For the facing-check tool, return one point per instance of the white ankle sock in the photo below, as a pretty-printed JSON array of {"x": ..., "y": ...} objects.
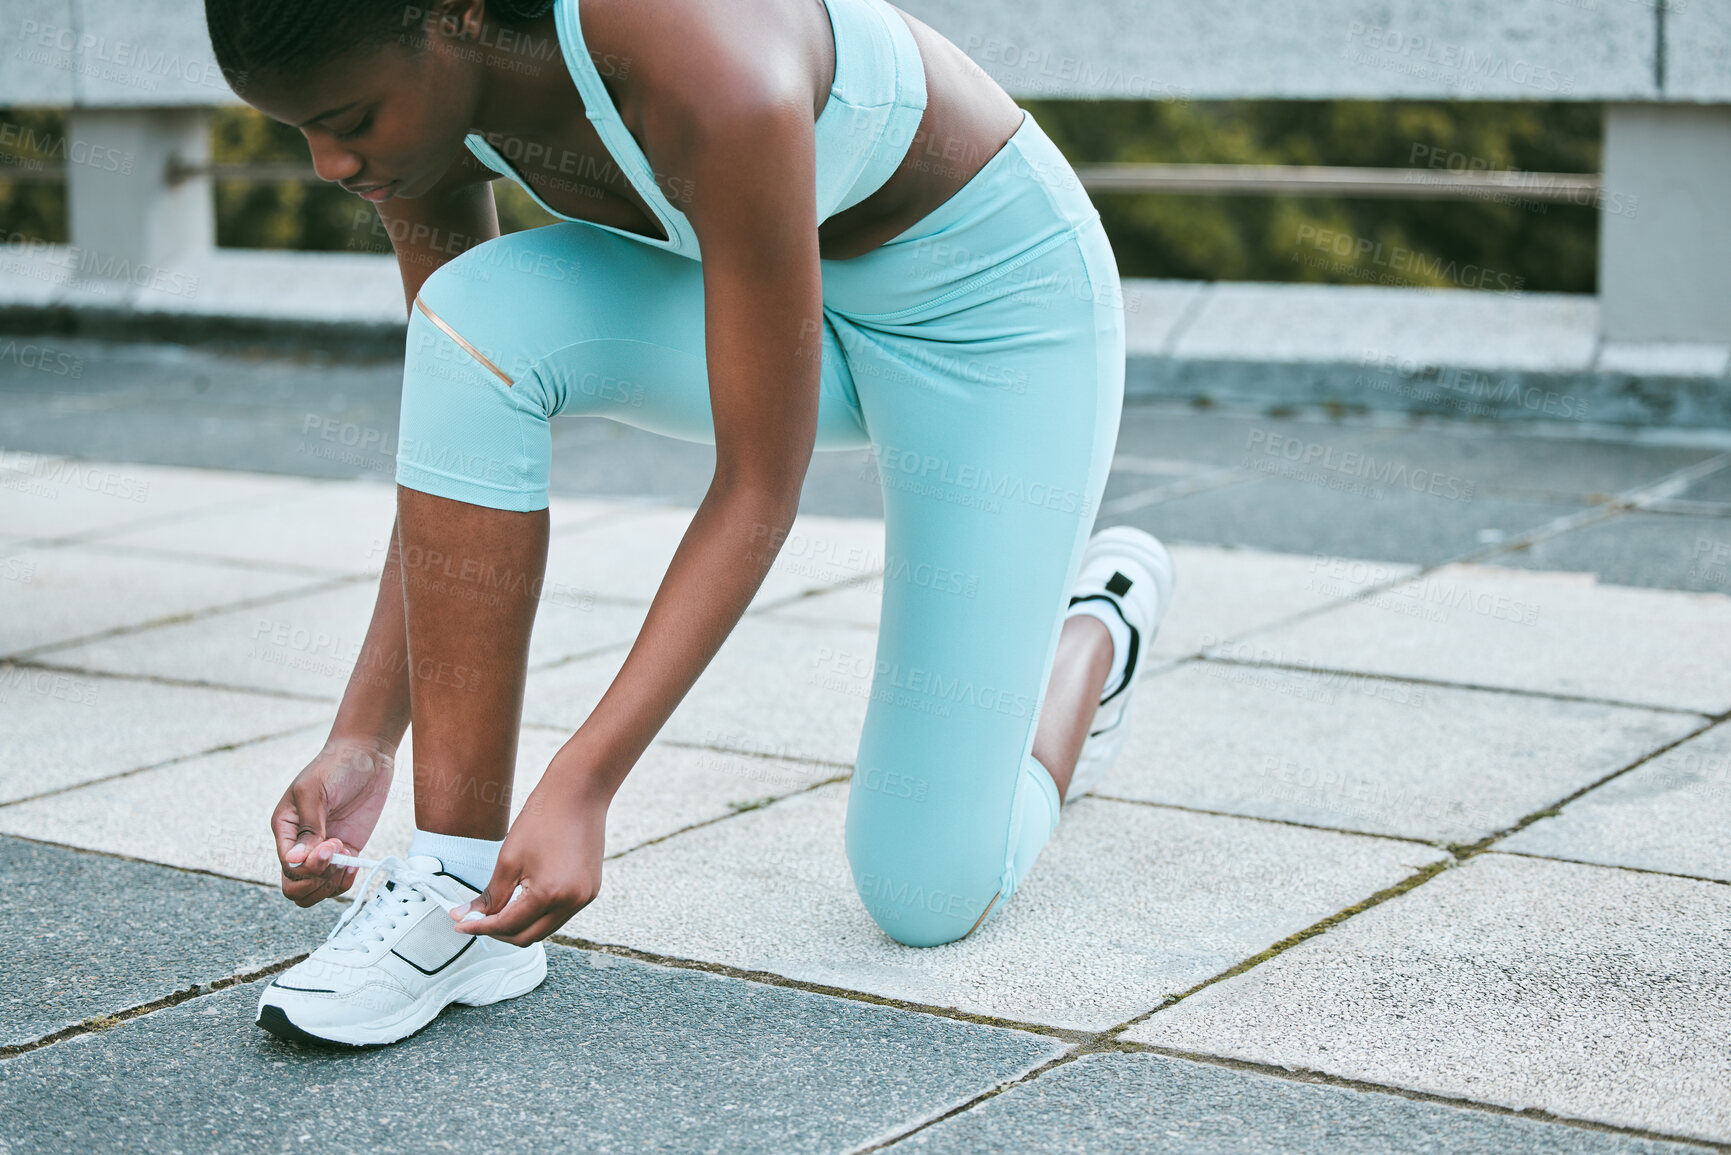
[
  {"x": 1120, "y": 631},
  {"x": 470, "y": 859}
]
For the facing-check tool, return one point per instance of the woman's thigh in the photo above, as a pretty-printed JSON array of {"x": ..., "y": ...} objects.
[
  {"x": 993, "y": 413},
  {"x": 564, "y": 319}
]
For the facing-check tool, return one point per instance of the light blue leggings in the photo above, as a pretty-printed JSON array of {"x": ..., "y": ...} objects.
[{"x": 980, "y": 355}]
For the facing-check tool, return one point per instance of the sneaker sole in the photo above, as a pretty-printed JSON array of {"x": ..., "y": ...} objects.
[{"x": 478, "y": 989}]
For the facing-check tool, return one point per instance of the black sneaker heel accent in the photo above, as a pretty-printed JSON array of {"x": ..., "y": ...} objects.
[{"x": 1135, "y": 634}]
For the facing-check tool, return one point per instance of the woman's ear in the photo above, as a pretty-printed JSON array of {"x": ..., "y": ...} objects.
[{"x": 455, "y": 20}]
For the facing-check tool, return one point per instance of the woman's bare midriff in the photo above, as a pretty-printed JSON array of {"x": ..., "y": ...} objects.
[{"x": 966, "y": 121}]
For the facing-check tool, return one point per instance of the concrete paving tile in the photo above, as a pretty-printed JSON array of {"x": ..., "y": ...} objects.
[
  {"x": 334, "y": 527},
  {"x": 62, "y": 729},
  {"x": 1362, "y": 324},
  {"x": 1592, "y": 993},
  {"x": 1556, "y": 633},
  {"x": 1668, "y": 814},
  {"x": 1222, "y": 592},
  {"x": 57, "y": 595},
  {"x": 1155, "y": 310},
  {"x": 1127, "y": 904},
  {"x": 787, "y": 689},
  {"x": 627, "y": 556},
  {"x": 1659, "y": 551},
  {"x": 608, "y": 1055},
  {"x": 47, "y": 496},
  {"x": 1150, "y": 1103},
  {"x": 308, "y": 644},
  {"x": 1181, "y": 433},
  {"x": 1370, "y": 754},
  {"x": 1713, "y": 487},
  {"x": 1341, "y": 515},
  {"x": 1503, "y": 461},
  {"x": 84, "y": 934},
  {"x": 213, "y": 813}
]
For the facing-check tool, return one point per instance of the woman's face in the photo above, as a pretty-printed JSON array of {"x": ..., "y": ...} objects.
[{"x": 383, "y": 122}]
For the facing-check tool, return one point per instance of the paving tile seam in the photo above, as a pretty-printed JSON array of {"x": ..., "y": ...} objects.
[
  {"x": 1407, "y": 839},
  {"x": 1689, "y": 508},
  {"x": 1468, "y": 850},
  {"x": 764, "y": 803},
  {"x": 1610, "y": 866},
  {"x": 722, "y": 748},
  {"x": 98, "y": 1023},
  {"x": 1459, "y": 855},
  {"x": 1325, "y": 1079},
  {"x": 1624, "y": 502},
  {"x": 1633, "y": 499},
  {"x": 1171, "y": 491},
  {"x": 771, "y": 979},
  {"x": 1418, "y": 878},
  {"x": 989, "y": 1093},
  {"x": 1413, "y": 680},
  {"x": 163, "y": 765},
  {"x": 164, "y": 680},
  {"x": 327, "y": 585},
  {"x": 132, "y": 858},
  {"x": 249, "y": 565},
  {"x": 88, "y": 536}
]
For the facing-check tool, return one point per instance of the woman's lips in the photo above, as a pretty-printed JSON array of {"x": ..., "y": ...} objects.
[{"x": 383, "y": 192}]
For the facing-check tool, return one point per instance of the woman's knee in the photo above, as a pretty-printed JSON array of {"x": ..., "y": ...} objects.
[
  {"x": 473, "y": 426},
  {"x": 923, "y": 891}
]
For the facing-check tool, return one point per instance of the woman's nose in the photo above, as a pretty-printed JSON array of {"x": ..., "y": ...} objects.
[{"x": 332, "y": 162}]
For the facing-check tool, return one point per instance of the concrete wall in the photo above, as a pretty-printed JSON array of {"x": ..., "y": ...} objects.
[{"x": 138, "y": 53}]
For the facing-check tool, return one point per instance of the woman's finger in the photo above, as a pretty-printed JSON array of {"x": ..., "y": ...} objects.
[{"x": 500, "y": 918}]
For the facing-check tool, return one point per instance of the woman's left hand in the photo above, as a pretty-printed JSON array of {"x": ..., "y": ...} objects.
[{"x": 553, "y": 851}]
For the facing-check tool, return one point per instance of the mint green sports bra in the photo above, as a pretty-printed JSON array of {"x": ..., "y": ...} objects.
[{"x": 862, "y": 134}]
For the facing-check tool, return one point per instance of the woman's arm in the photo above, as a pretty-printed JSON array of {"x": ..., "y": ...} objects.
[
  {"x": 454, "y": 215},
  {"x": 334, "y": 803},
  {"x": 736, "y": 129}
]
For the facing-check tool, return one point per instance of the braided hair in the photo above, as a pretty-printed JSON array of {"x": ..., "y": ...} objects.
[{"x": 253, "y": 38}]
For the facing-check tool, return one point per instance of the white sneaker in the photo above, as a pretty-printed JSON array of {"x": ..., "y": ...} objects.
[
  {"x": 394, "y": 961},
  {"x": 1131, "y": 571}
]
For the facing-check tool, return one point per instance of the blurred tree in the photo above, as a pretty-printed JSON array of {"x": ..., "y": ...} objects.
[
  {"x": 1533, "y": 245},
  {"x": 31, "y": 210}
]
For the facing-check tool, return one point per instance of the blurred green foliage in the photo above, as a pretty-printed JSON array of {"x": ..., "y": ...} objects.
[
  {"x": 30, "y": 210},
  {"x": 1540, "y": 246},
  {"x": 1548, "y": 247}
]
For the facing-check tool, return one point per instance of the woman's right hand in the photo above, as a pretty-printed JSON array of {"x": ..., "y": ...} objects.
[{"x": 331, "y": 807}]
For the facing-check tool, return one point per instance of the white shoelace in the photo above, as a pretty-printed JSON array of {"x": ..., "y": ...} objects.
[{"x": 364, "y": 916}]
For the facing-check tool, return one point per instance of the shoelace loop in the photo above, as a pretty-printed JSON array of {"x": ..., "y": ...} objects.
[{"x": 407, "y": 880}]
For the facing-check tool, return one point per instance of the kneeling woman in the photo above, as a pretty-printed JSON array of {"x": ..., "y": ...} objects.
[{"x": 789, "y": 225}]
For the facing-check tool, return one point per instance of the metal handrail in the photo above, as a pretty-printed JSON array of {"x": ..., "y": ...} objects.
[{"x": 1179, "y": 179}]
